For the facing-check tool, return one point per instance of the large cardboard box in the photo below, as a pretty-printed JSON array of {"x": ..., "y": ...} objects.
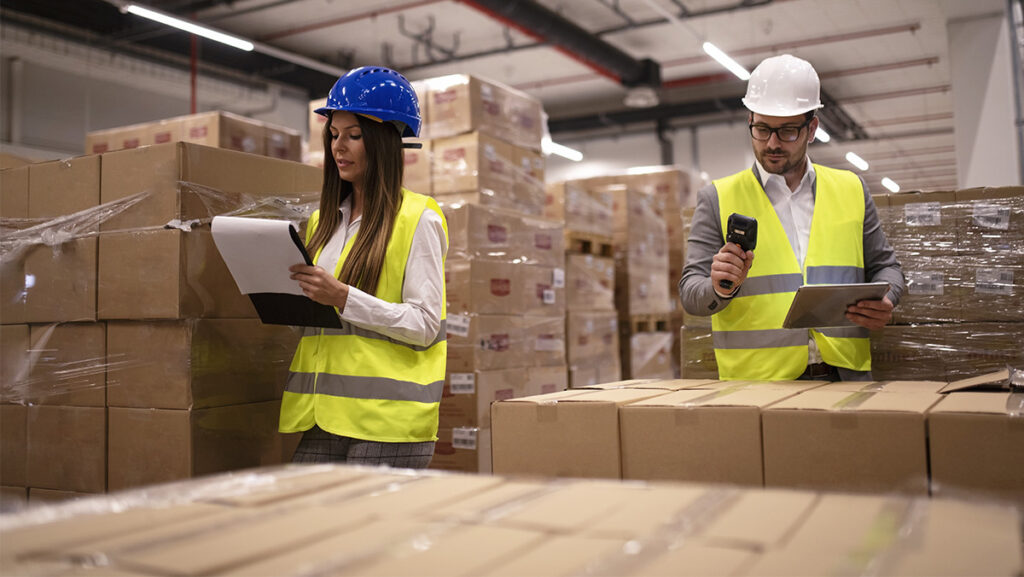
[
  {"x": 991, "y": 251},
  {"x": 467, "y": 397},
  {"x": 482, "y": 231},
  {"x": 571, "y": 433},
  {"x": 166, "y": 274},
  {"x": 149, "y": 446},
  {"x": 647, "y": 355},
  {"x": 486, "y": 342},
  {"x": 60, "y": 275},
  {"x": 466, "y": 449},
  {"x": 13, "y": 445},
  {"x": 417, "y": 168},
  {"x": 459, "y": 103},
  {"x": 280, "y": 142},
  {"x": 68, "y": 365},
  {"x": 196, "y": 363},
  {"x": 547, "y": 379},
  {"x": 496, "y": 287},
  {"x": 14, "y": 208},
  {"x": 542, "y": 242},
  {"x": 595, "y": 371},
  {"x": 697, "y": 353},
  {"x": 225, "y": 130},
  {"x": 697, "y": 435},
  {"x": 15, "y": 363},
  {"x": 976, "y": 446},
  {"x": 591, "y": 281},
  {"x": 545, "y": 340},
  {"x": 841, "y": 441},
  {"x": 67, "y": 448}
]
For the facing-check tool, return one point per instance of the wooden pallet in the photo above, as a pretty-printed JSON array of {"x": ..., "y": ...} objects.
[
  {"x": 661, "y": 322},
  {"x": 588, "y": 243}
]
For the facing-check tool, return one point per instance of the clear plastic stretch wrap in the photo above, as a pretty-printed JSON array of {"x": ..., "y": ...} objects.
[{"x": 129, "y": 355}]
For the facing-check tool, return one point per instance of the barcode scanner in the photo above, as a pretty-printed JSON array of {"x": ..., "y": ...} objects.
[{"x": 741, "y": 230}]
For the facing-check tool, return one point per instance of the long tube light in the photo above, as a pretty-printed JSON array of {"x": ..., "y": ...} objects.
[
  {"x": 892, "y": 186},
  {"x": 821, "y": 135},
  {"x": 550, "y": 147},
  {"x": 857, "y": 161},
  {"x": 189, "y": 27},
  {"x": 724, "y": 59}
]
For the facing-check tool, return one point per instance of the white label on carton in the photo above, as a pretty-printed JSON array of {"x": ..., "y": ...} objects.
[
  {"x": 549, "y": 296},
  {"x": 925, "y": 283},
  {"x": 490, "y": 153},
  {"x": 995, "y": 216},
  {"x": 549, "y": 344},
  {"x": 463, "y": 383},
  {"x": 464, "y": 438},
  {"x": 458, "y": 325},
  {"x": 923, "y": 214},
  {"x": 558, "y": 278},
  {"x": 994, "y": 282}
]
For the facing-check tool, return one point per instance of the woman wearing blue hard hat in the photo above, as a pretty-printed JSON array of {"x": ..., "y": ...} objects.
[{"x": 369, "y": 393}]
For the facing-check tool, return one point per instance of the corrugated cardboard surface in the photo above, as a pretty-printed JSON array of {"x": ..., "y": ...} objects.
[
  {"x": 976, "y": 445},
  {"x": 844, "y": 441},
  {"x": 467, "y": 401},
  {"x": 196, "y": 363},
  {"x": 697, "y": 435},
  {"x": 148, "y": 446},
  {"x": 69, "y": 365},
  {"x": 493, "y": 342},
  {"x": 67, "y": 448},
  {"x": 466, "y": 449},
  {"x": 13, "y": 205},
  {"x": 13, "y": 445},
  {"x": 15, "y": 362},
  {"x": 570, "y": 434}
]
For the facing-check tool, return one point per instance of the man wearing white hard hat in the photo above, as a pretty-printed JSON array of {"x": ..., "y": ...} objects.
[{"x": 816, "y": 225}]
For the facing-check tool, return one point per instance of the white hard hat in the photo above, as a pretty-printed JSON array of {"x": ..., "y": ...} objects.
[{"x": 783, "y": 86}]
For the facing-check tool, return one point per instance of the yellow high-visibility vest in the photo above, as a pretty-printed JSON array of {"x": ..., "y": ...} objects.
[
  {"x": 748, "y": 337},
  {"x": 357, "y": 383}
]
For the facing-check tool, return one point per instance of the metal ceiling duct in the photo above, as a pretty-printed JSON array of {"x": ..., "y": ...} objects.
[{"x": 545, "y": 25}]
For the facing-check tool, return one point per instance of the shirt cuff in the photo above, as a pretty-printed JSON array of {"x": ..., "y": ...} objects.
[{"x": 358, "y": 306}]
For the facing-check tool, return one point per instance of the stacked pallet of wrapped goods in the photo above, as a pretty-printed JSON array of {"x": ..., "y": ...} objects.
[
  {"x": 696, "y": 350},
  {"x": 216, "y": 128},
  {"x": 591, "y": 321},
  {"x": 961, "y": 252},
  {"x": 130, "y": 357}
]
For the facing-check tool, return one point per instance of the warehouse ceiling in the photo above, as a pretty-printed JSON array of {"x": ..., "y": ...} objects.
[{"x": 884, "y": 64}]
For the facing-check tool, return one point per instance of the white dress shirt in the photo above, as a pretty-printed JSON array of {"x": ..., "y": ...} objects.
[
  {"x": 795, "y": 208},
  {"x": 417, "y": 319}
]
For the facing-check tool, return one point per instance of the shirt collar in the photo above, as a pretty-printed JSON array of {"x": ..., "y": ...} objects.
[{"x": 808, "y": 178}]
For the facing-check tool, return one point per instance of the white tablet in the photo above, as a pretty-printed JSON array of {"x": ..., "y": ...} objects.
[{"x": 824, "y": 305}]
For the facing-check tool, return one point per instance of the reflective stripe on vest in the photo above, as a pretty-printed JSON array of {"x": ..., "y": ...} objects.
[
  {"x": 358, "y": 383},
  {"x": 748, "y": 337}
]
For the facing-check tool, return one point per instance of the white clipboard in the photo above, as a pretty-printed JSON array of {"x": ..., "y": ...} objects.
[{"x": 824, "y": 305}]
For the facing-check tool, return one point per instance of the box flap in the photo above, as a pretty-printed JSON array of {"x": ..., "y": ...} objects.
[
  {"x": 991, "y": 402},
  {"x": 996, "y": 380},
  {"x": 887, "y": 386},
  {"x": 738, "y": 397},
  {"x": 836, "y": 401},
  {"x": 761, "y": 518},
  {"x": 788, "y": 385}
]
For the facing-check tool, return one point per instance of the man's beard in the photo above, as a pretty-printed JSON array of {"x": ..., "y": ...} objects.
[{"x": 789, "y": 164}]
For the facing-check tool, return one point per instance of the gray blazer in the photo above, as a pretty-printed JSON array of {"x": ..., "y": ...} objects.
[{"x": 700, "y": 299}]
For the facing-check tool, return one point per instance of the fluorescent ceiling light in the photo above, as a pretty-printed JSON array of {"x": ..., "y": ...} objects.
[
  {"x": 647, "y": 169},
  {"x": 892, "y": 186},
  {"x": 641, "y": 97},
  {"x": 856, "y": 160},
  {"x": 723, "y": 59},
  {"x": 821, "y": 135},
  {"x": 550, "y": 147},
  {"x": 189, "y": 27}
]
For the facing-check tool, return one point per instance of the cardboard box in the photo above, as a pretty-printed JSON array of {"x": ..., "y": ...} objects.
[
  {"x": 591, "y": 336},
  {"x": 417, "y": 168},
  {"x": 148, "y": 446},
  {"x": 648, "y": 355},
  {"x": 571, "y": 433},
  {"x": 697, "y": 353},
  {"x": 218, "y": 181},
  {"x": 542, "y": 242},
  {"x": 976, "y": 446},
  {"x": 494, "y": 287},
  {"x": 591, "y": 281},
  {"x": 316, "y": 131},
  {"x": 14, "y": 206},
  {"x": 60, "y": 280},
  {"x": 486, "y": 342},
  {"x": 465, "y": 449},
  {"x": 166, "y": 274},
  {"x": 545, "y": 340},
  {"x": 528, "y": 175},
  {"x": 281, "y": 142},
  {"x": 467, "y": 397},
  {"x": 13, "y": 445},
  {"x": 483, "y": 231},
  {"x": 835, "y": 440},
  {"x": 547, "y": 379},
  {"x": 67, "y": 448},
  {"x": 225, "y": 130},
  {"x": 473, "y": 162},
  {"x": 196, "y": 363},
  {"x": 595, "y": 371},
  {"x": 460, "y": 103},
  {"x": 69, "y": 365},
  {"x": 697, "y": 435},
  {"x": 13, "y": 499}
]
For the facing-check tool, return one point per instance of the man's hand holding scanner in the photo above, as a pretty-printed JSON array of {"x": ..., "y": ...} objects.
[
  {"x": 730, "y": 264},
  {"x": 320, "y": 286},
  {"x": 871, "y": 315}
]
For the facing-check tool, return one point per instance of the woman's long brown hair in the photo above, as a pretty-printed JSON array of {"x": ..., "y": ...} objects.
[{"x": 382, "y": 197}]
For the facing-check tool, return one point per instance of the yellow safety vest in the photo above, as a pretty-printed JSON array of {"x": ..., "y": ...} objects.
[
  {"x": 748, "y": 337},
  {"x": 361, "y": 384}
]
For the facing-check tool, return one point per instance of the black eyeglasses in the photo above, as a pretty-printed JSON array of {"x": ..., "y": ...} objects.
[{"x": 764, "y": 132}]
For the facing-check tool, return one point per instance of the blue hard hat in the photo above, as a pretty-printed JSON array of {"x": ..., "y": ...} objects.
[{"x": 378, "y": 92}]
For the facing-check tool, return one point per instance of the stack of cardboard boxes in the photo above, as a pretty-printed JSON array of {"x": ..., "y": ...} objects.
[
  {"x": 217, "y": 128},
  {"x": 360, "y": 521},
  {"x": 130, "y": 357},
  {"x": 961, "y": 252},
  {"x": 911, "y": 437}
]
